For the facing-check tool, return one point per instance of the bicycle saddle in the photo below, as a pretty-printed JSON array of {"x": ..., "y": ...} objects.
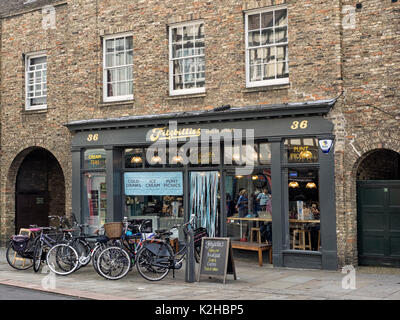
[{"x": 163, "y": 232}]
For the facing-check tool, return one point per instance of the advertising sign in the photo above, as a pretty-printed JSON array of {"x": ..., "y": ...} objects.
[{"x": 153, "y": 183}]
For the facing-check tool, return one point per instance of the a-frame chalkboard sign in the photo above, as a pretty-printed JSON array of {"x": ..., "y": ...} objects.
[{"x": 216, "y": 258}]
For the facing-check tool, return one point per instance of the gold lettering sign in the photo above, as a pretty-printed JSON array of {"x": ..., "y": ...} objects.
[
  {"x": 300, "y": 152},
  {"x": 164, "y": 133}
]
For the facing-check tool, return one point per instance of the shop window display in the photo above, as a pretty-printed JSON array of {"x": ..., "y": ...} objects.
[
  {"x": 95, "y": 199},
  {"x": 249, "y": 206},
  {"x": 304, "y": 209}
]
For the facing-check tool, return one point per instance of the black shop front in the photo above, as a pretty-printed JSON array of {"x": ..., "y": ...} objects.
[{"x": 255, "y": 174}]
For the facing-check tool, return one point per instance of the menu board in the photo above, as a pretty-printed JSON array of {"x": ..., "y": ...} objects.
[{"x": 216, "y": 258}]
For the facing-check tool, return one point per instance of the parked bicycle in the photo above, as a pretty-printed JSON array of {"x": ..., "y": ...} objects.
[
  {"x": 157, "y": 257},
  {"x": 116, "y": 261}
]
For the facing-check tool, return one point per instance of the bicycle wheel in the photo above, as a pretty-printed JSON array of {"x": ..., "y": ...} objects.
[
  {"x": 16, "y": 260},
  {"x": 62, "y": 259},
  {"x": 83, "y": 249},
  {"x": 113, "y": 263},
  {"x": 37, "y": 255},
  {"x": 152, "y": 267},
  {"x": 95, "y": 257}
]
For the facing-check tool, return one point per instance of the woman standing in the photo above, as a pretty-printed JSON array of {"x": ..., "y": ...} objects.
[{"x": 242, "y": 204}]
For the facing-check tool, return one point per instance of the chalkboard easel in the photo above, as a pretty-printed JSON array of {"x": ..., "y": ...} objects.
[{"x": 216, "y": 258}]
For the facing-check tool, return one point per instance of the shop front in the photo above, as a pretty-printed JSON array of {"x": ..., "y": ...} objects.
[{"x": 259, "y": 174}]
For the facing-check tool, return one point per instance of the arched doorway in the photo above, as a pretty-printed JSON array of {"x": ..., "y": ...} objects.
[
  {"x": 39, "y": 189},
  {"x": 378, "y": 208}
]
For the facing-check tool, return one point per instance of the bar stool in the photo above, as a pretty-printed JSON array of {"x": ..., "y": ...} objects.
[
  {"x": 301, "y": 244},
  {"x": 257, "y": 230}
]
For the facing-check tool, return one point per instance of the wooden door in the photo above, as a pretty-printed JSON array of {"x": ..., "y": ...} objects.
[
  {"x": 379, "y": 222},
  {"x": 32, "y": 208}
]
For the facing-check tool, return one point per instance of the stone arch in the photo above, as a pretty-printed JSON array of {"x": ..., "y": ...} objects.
[
  {"x": 369, "y": 152},
  {"x": 10, "y": 190}
]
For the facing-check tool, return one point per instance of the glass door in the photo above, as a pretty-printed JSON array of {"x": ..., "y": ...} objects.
[{"x": 205, "y": 200}]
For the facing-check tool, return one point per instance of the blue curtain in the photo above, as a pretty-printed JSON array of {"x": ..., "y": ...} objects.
[{"x": 204, "y": 199}]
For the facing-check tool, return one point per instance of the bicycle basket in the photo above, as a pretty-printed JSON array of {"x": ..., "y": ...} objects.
[
  {"x": 200, "y": 233},
  {"x": 113, "y": 229},
  {"x": 20, "y": 242}
]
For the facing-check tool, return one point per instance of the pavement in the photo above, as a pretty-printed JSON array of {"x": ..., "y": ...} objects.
[{"x": 253, "y": 283}]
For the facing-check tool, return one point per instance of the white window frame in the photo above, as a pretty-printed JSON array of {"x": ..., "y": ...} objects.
[
  {"x": 28, "y": 57},
  {"x": 115, "y": 98},
  {"x": 262, "y": 83},
  {"x": 173, "y": 92}
]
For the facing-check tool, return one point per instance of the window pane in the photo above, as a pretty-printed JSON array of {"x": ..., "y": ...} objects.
[
  {"x": 94, "y": 199},
  {"x": 129, "y": 43},
  {"x": 267, "y": 36},
  {"x": 188, "y": 49},
  {"x": 110, "y": 46},
  {"x": 255, "y": 72},
  {"x": 190, "y": 65},
  {"x": 111, "y": 75},
  {"x": 304, "y": 210},
  {"x": 120, "y": 44},
  {"x": 249, "y": 196},
  {"x": 129, "y": 73},
  {"x": 281, "y": 35},
  {"x": 178, "y": 67},
  {"x": 178, "y": 82},
  {"x": 122, "y": 88},
  {"x": 281, "y": 53},
  {"x": 38, "y": 60},
  {"x": 254, "y": 39},
  {"x": 299, "y": 152},
  {"x": 110, "y": 90},
  {"x": 110, "y": 60},
  {"x": 199, "y": 29},
  {"x": 200, "y": 64},
  {"x": 188, "y": 33},
  {"x": 121, "y": 74},
  {"x": 120, "y": 59},
  {"x": 199, "y": 48},
  {"x": 129, "y": 57},
  {"x": 262, "y": 55},
  {"x": 254, "y": 21},
  {"x": 269, "y": 71},
  {"x": 265, "y": 153},
  {"x": 94, "y": 159},
  {"x": 177, "y": 34},
  {"x": 176, "y": 50},
  {"x": 267, "y": 20},
  {"x": 282, "y": 70},
  {"x": 281, "y": 17}
]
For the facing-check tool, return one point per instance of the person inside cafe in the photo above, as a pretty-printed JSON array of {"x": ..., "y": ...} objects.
[
  {"x": 263, "y": 198},
  {"x": 242, "y": 204}
]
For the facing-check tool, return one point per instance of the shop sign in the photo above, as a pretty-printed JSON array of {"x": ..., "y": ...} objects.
[
  {"x": 300, "y": 153},
  {"x": 153, "y": 183},
  {"x": 173, "y": 133}
]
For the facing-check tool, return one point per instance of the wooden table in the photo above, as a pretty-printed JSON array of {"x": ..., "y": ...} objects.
[{"x": 259, "y": 219}]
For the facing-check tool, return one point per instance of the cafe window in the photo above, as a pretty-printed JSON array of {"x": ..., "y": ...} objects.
[
  {"x": 134, "y": 158},
  {"x": 94, "y": 199},
  {"x": 301, "y": 150},
  {"x": 240, "y": 155},
  {"x": 94, "y": 159},
  {"x": 304, "y": 209},
  {"x": 157, "y": 196},
  {"x": 249, "y": 206}
]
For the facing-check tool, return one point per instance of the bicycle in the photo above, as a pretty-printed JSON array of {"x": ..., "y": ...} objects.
[
  {"x": 157, "y": 257},
  {"x": 43, "y": 244},
  {"x": 20, "y": 249},
  {"x": 116, "y": 261}
]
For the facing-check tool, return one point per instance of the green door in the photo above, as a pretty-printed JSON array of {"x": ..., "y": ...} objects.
[{"x": 378, "y": 204}]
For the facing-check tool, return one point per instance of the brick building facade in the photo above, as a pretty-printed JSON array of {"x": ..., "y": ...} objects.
[{"x": 337, "y": 50}]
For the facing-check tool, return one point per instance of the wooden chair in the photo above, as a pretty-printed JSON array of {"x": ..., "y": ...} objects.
[
  {"x": 300, "y": 243},
  {"x": 257, "y": 230}
]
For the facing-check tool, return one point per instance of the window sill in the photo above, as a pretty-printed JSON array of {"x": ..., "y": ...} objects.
[
  {"x": 187, "y": 96},
  {"x": 34, "y": 111},
  {"x": 116, "y": 103},
  {"x": 266, "y": 88}
]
